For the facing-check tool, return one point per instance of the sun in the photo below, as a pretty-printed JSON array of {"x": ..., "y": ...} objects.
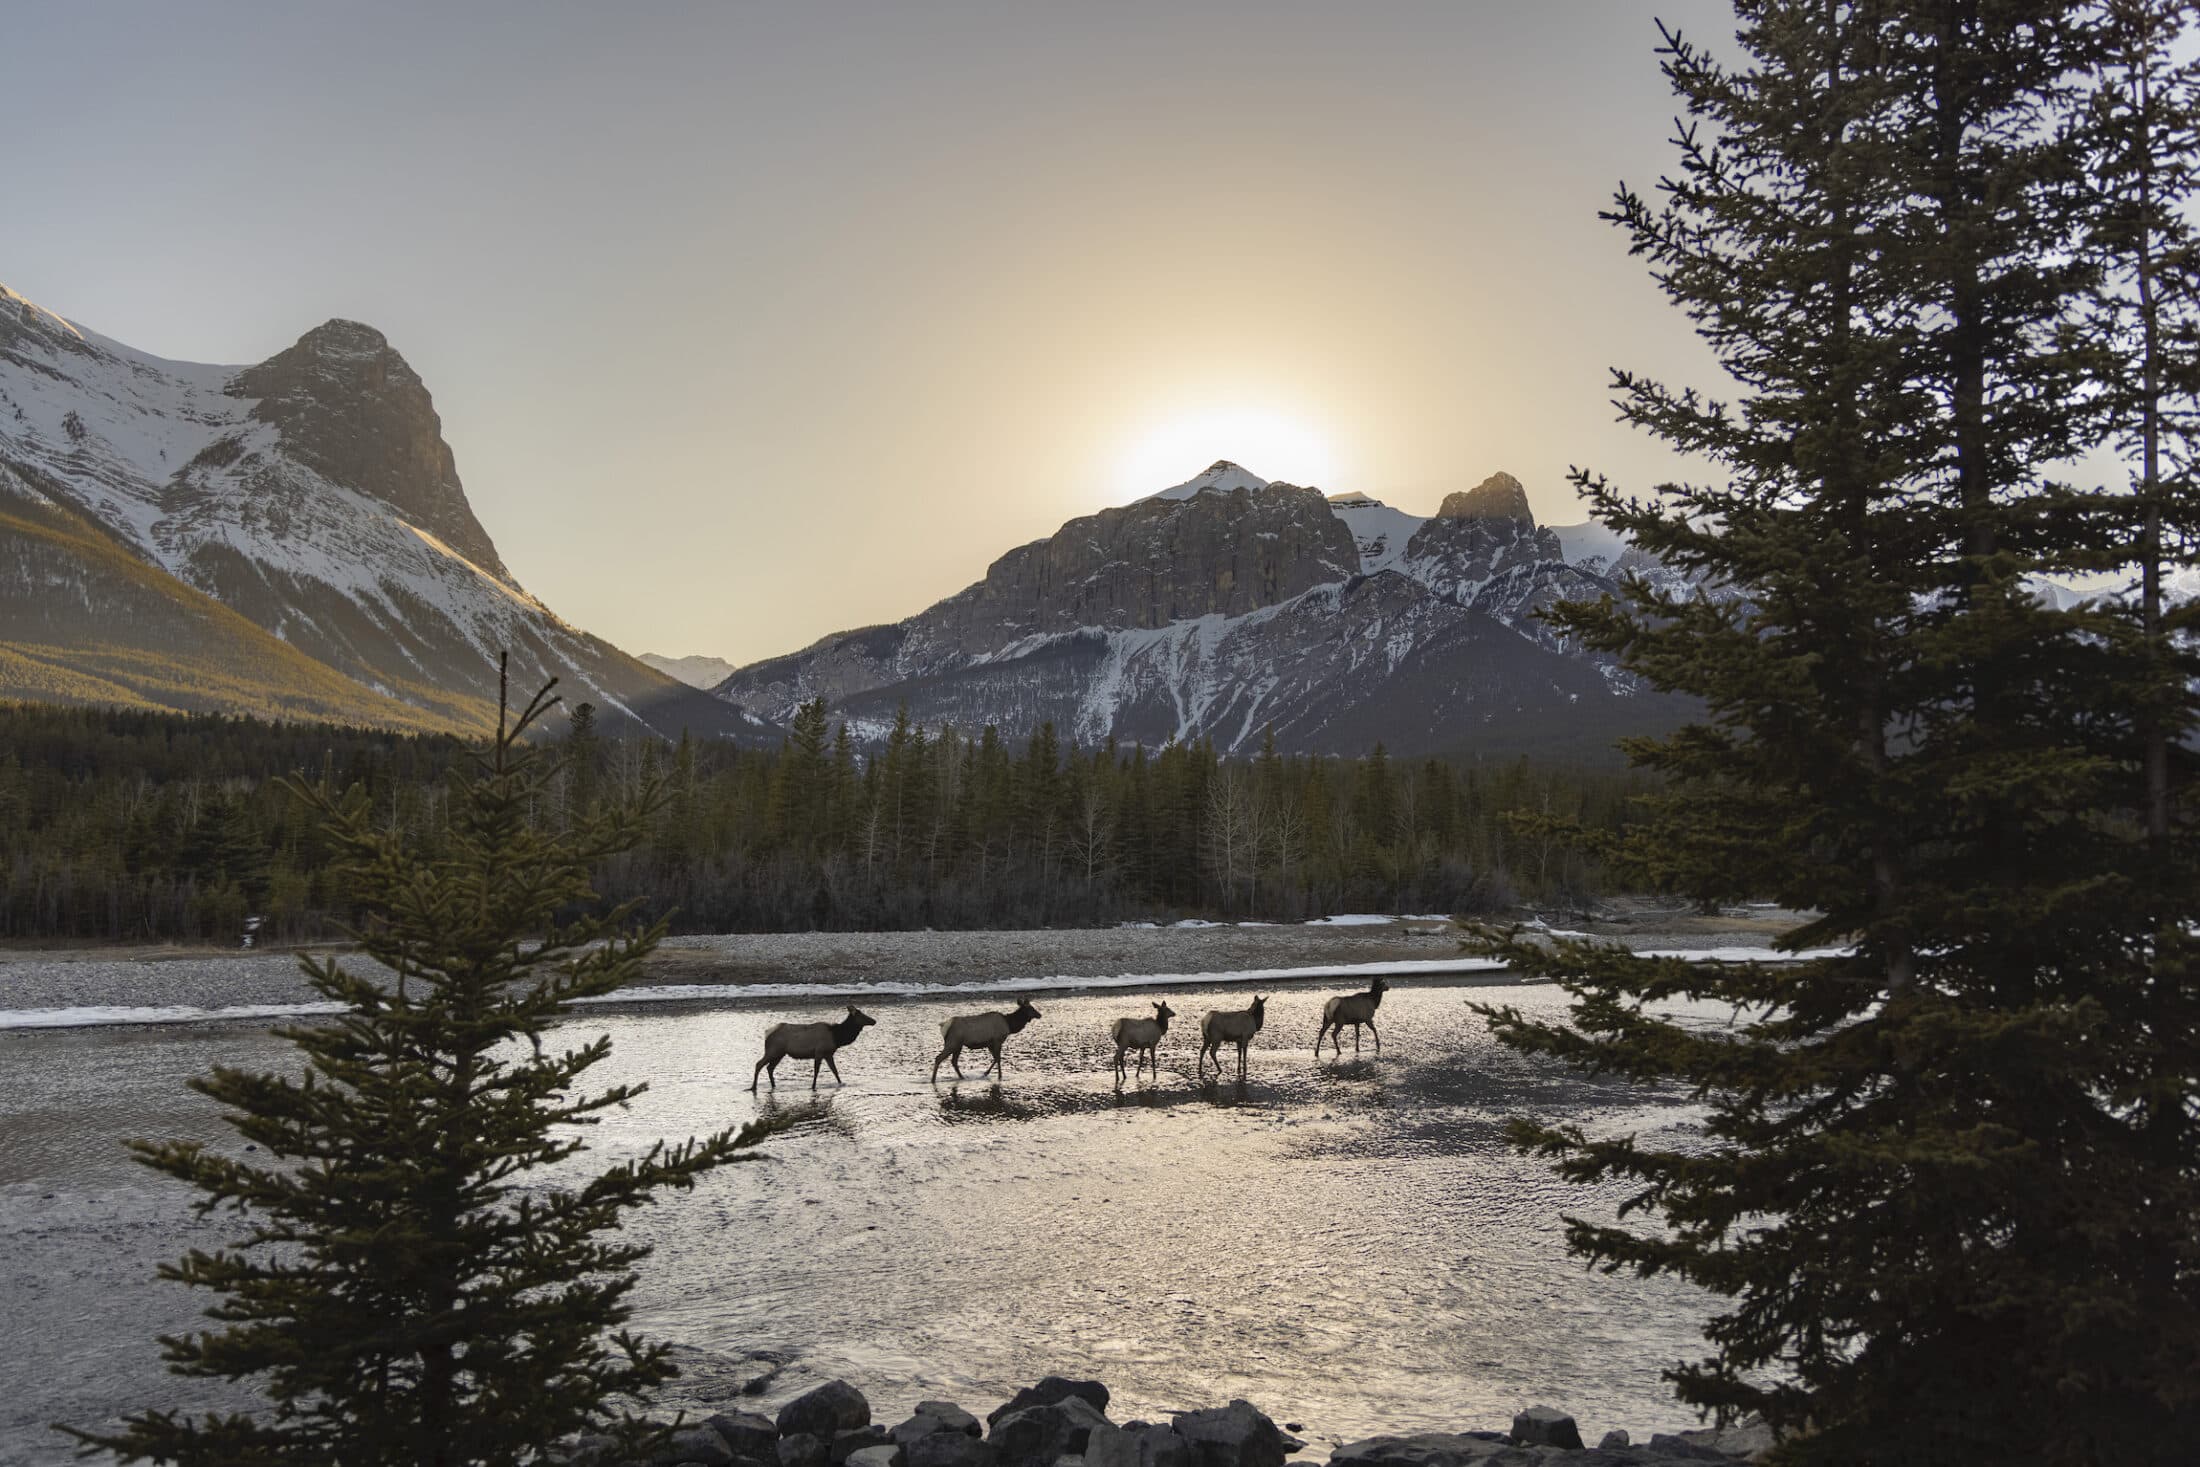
[{"x": 1272, "y": 441}]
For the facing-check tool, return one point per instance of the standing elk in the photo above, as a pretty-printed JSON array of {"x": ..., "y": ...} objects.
[
  {"x": 1230, "y": 1026},
  {"x": 813, "y": 1042},
  {"x": 1354, "y": 1009},
  {"x": 1143, "y": 1035},
  {"x": 987, "y": 1031}
]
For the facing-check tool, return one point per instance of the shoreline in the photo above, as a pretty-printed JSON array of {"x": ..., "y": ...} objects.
[{"x": 45, "y": 989}]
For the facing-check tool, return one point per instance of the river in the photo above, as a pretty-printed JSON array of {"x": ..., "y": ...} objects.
[{"x": 1349, "y": 1244}]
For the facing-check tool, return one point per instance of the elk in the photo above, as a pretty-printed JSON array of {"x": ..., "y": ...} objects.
[
  {"x": 1354, "y": 1009},
  {"x": 1143, "y": 1035},
  {"x": 987, "y": 1031},
  {"x": 1230, "y": 1026},
  {"x": 813, "y": 1042}
]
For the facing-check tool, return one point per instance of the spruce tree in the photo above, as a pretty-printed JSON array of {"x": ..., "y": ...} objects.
[
  {"x": 427, "y": 1277},
  {"x": 1925, "y": 1184}
]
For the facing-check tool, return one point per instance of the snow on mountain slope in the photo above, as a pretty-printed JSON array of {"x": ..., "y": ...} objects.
[
  {"x": 1380, "y": 531},
  {"x": 1590, "y": 545},
  {"x": 697, "y": 671},
  {"x": 312, "y": 494},
  {"x": 1221, "y": 476}
]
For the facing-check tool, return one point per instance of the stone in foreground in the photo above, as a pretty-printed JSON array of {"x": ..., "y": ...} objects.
[
  {"x": 1037, "y": 1435},
  {"x": 950, "y": 1449},
  {"x": 1050, "y": 1389},
  {"x": 937, "y": 1416},
  {"x": 1546, "y": 1426},
  {"x": 832, "y": 1408},
  {"x": 1425, "y": 1449},
  {"x": 1236, "y": 1435},
  {"x": 701, "y": 1444},
  {"x": 1136, "y": 1445}
]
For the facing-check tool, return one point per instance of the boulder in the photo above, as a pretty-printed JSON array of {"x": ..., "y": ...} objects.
[
  {"x": 1136, "y": 1445},
  {"x": 803, "y": 1450},
  {"x": 1744, "y": 1440},
  {"x": 752, "y": 1438},
  {"x": 1050, "y": 1389},
  {"x": 846, "y": 1444},
  {"x": 1236, "y": 1435},
  {"x": 693, "y": 1444},
  {"x": 888, "y": 1455},
  {"x": 833, "y": 1407},
  {"x": 1614, "y": 1441},
  {"x": 1037, "y": 1435},
  {"x": 949, "y": 1449},
  {"x": 1679, "y": 1447},
  {"x": 932, "y": 1416},
  {"x": 1428, "y": 1449},
  {"x": 1546, "y": 1426}
]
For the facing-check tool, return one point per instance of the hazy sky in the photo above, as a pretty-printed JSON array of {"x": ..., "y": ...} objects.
[{"x": 749, "y": 323}]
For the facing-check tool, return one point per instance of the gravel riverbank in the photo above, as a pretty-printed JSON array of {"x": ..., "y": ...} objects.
[{"x": 151, "y": 977}]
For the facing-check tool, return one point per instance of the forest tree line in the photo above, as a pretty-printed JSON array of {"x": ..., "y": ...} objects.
[{"x": 131, "y": 826}]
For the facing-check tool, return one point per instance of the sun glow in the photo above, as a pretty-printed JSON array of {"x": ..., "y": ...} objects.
[{"x": 1271, "y": 442}]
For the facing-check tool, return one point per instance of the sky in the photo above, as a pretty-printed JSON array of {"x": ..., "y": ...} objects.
[{"x": 752, "y": 323}]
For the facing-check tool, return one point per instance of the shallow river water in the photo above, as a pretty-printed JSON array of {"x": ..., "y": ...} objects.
[{"x": 1349, "y": 1244}]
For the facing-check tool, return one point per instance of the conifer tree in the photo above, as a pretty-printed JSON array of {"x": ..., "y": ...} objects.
[
  {"x": 1925, "y": 1184},
  {"x": 426, "y": 1280}
]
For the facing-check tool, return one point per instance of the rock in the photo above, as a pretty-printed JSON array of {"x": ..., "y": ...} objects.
[
  {"x": 950, "y": 1449},
  {"x": 846, "y": 1443},
  {"x": 1744, "y": 1439},
  {"x": 1037, "y": 1435},
  {"x": 1236, "y": 1435},
  {"x": 1136, "y": 1445},
  {"x": 694, "y": 1444},
  {"x": 751, "y": 1438},
  {"x": 933, "y": 1416},
  {"x": 1614, "y": 1441},
  {"x": 835, "y": 1406},
  {"x": 1499, "y": 497},
  {"x": 1546, "y": 1426},
  {"x": 1679, "y": 1446},
  {"x": 889, "y": 1455},
  {"x": 803, "y": 1450},
  {"x": 1050, "y": 1389},
  {"x": 1428, "y": 1449}
]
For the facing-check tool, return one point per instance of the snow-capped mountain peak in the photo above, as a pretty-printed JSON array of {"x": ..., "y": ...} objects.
[{"x": 1220, "y": 477}]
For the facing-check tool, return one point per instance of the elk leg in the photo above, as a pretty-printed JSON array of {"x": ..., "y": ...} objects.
[{"x": 830, "y": 1065}]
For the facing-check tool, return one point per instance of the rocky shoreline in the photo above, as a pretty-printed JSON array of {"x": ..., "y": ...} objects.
[{"x": 1064, "y": 1423}]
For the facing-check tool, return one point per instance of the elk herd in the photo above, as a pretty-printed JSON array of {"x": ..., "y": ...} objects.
[{"x": 1138, "y": 1035}]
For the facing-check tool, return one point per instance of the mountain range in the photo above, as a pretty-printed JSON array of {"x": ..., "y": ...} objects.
[
  {"x": 1237, "y": 609},
  {"x": 289, "y": 538},
  {"x": 292, "y": 539}
]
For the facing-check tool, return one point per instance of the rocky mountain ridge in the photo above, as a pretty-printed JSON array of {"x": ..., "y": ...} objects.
[
  {"x": 1230, "y": 607},
  {"x": 311, "y": 495}
]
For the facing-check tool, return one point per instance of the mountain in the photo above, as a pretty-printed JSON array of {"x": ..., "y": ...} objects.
[
  {"x": 312, "y": 499},
  {"x": 698, "y": 671},
  {"x": 1229, "y": 605}
]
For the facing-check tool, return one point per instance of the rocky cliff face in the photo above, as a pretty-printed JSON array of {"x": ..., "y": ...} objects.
[
  {"x": 1223, "y": 551},
  {"x": 313, "y": 496},
  {"x": 353, "y": 410}
]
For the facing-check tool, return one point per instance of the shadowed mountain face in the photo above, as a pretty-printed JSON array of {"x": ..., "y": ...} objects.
[
  {"x": 1228, "y": 607},
  {"x": 313, "y": 497}
]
